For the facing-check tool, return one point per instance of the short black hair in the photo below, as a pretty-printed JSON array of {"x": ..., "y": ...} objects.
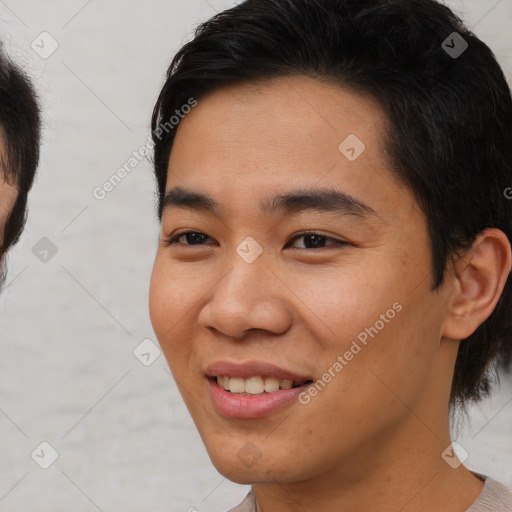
[
  {"x": 20, "y": 128},
  {"x": 448, "y": 133}
]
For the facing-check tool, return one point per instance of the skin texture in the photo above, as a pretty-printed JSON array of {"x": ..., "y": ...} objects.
[
  {"x": 8, "y": 193},
  {"x": 372, "y": 438}
]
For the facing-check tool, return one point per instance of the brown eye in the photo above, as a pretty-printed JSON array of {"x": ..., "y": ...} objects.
[
  {"x": 190, "y": 237},
  {"x": 316, "y": 241}
]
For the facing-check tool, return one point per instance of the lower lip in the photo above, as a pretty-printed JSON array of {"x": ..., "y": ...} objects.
[{"x": 232, "y": 405}]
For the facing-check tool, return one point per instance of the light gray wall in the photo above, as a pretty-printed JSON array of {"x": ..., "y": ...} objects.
[{"x": 69, "y": 325}]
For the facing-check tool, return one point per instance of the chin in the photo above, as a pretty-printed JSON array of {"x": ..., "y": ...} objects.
[{"x": 245, "y": 466}]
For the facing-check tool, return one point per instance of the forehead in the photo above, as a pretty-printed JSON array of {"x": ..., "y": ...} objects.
[
  {"x": 291, "y": 132},
  {"x": 305, "y": 114}
]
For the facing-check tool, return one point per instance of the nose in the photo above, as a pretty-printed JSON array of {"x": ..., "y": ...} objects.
[{"x": 249, "y": 297}]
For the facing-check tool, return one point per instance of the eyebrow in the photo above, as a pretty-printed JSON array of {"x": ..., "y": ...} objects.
[{"x": 295, "y": 201}]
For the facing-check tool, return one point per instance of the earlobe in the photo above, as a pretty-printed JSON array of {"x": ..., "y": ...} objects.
[{"x": 479, "y": 279}]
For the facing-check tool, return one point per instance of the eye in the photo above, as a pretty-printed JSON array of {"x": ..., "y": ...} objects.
[
  {"x": 191, "y": 237},
  {"x": 314, "y": 240}
]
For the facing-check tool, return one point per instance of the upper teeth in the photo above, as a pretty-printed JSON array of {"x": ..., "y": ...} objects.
[{"x": 253, "y": 385}]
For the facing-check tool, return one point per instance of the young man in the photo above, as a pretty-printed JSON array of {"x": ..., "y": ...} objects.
[
  {"x": 20, "y": 127},
  {"x": 333, "y": 278}
]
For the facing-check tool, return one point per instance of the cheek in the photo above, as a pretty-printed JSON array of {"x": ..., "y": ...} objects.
[
  {"x": 171, "y": 296},
  {"x": 166, "y": 305},
  {"x": 174, "y": 296},
  {"x": 368, "y": 315},
  {"x": 156, "y": 298},
  {"x": 339, "y": 304}
]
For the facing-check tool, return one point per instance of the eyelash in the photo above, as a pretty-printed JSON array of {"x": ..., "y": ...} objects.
[{"x": 173, "y": 240}]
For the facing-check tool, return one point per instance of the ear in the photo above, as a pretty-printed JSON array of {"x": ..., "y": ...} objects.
[{"x": 478, "y": 281}]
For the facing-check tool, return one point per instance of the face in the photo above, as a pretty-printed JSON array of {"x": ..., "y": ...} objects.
[
  {"x": 8, "y": 194},
  {"x": 302, "y": 283}
]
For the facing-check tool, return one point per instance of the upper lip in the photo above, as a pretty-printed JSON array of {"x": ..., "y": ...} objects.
[{"x": 251, "y": 369}]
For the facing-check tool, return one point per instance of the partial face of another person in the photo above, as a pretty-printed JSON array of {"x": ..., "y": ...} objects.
[
  {"x": 260, "y": 291},
  {"x": 8, "y": 193}
]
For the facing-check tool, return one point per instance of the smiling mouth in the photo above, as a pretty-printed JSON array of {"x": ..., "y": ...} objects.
[{"x": 256, "y": 385}]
